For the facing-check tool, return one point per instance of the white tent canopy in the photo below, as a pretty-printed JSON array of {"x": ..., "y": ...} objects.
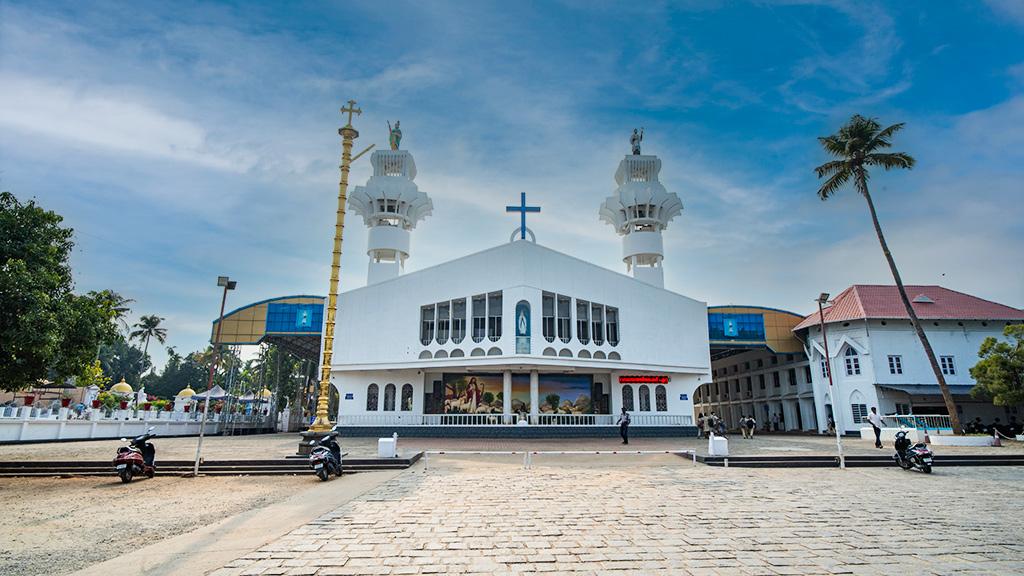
[{"x": 216, "y": 393}]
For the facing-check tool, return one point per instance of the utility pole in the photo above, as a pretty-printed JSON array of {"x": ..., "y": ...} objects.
[
  {"x": 828, "y": 370},
  {"x": 228, "y": 284}
]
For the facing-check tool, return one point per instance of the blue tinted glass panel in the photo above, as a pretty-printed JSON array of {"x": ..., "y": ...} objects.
[
  {"x": 735, "y": 326},
  {"x": 294, "y": 317}
]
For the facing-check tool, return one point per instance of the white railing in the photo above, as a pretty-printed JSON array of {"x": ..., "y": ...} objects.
[
  {"x": 918, "y": 421},
  {"x": 406, "y": 419}
]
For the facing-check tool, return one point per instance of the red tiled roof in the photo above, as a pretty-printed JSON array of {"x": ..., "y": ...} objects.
[{"x": 862, "y": 301}]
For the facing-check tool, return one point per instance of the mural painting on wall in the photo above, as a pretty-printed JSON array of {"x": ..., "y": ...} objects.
[
  {"x": 473, "y": 393},
  {"x": 520, "y": 393},
  {"x": 564, "y": 394}
]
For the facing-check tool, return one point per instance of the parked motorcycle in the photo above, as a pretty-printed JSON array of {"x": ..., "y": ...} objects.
[
  {"x": 917, "y": 456},
  {"x": 325, "y": 458},
  {"x": 136, "y": 458}
]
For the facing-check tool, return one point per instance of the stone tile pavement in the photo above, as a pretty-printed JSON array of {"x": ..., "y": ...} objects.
[{"x": 661, "y": 516}]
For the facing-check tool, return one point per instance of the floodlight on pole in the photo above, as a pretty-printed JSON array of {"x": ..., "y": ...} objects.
[
  {"x": 822, "y": 300},
  {"x": 227, "y": 284}
]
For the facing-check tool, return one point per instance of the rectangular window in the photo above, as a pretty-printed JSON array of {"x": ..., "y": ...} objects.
[
  {"x": 746, "y": 365},
  {"x": 792, "y": 376},
  {"x": 735, "y": 368},
  {"x": 458, "y": 320},
  {"x": 895, "y": 365},
  {"x": 583, "y": 321},
  {"x": 479, "y": 317},
  {"x": 750, "y": 387},
  {"x": 852, "y": 364},
  {"x": 760, "y": 380},
  {"x": 946, "y": 362},
  {"x": 612, "y": 319},
  {"x": 807, "y": 373},
  {"x": 736, "y": 388},
  {"x": 494, "y": 316},
  {"x": 775, "y": 379},
  {"x": 426, "y": 324},
  {"x": 597, "y": 323},
  {"x": 860, "y": 413},
  {"x": 824, "y": 368},
  {"x": 775, "y": 360},
  {"x": 548, "y": 315},
  {"x": 902, "y": 409},
  {"x": 443, "y": 321},
  {"x": 760, "y": 362},
  {"x": 564, "y": 319}
]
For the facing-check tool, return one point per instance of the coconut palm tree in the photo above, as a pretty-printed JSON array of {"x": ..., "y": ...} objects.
[
  {"x": 146, "y": 328},
  {"x": 858, "y": 146},
  {"x": 117, "y": 304}
]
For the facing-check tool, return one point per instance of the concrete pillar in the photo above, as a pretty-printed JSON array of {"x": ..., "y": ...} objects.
[
  {"x": 506, "y": 392},
  {"x": 534, "y": 394}
]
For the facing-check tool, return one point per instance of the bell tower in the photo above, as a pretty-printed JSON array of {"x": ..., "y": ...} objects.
[
  {"x": 639, "y": 210},
  {"x": 391, "y": 206}
]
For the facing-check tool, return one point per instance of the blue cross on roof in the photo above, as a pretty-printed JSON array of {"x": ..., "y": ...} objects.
[{"x": 522, "y": 209}]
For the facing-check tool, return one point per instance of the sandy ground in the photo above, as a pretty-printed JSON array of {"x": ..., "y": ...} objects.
[
  {"x": 281, "y": 445},
  {"x": 57, "y": 525}
]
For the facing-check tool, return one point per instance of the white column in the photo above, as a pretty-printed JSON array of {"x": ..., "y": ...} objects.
[
  {"x": 506, "y": 393},
  {"x": 534, "y": 394}
]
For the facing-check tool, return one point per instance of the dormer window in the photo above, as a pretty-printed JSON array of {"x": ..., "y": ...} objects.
[{"x": 922, "y": 299}]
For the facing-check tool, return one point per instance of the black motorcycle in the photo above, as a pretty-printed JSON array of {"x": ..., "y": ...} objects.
[
  {"x": 325, "y": 458},
  {"x": 909, "y": 456}
]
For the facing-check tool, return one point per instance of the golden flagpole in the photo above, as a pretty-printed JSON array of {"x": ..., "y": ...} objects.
[{"x": 348, "y": 135}]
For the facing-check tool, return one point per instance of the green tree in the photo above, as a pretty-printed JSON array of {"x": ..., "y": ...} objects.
[
  {"x": 45, "y": 329},
  {"x": 1000, "y": 372},
  {"x": 118, "y": 305},
  {"x": 93, "y": 376},
  {"x": 120, "y": 359},
  {"x": 146, "y": 328},
  {"x": 858, "y": 146}
]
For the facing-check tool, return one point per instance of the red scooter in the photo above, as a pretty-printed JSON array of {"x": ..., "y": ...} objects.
[{"x": 136, "y": 458}]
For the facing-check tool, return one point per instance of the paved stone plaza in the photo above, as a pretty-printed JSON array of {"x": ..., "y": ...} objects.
[{"x": 661, "y": 515}]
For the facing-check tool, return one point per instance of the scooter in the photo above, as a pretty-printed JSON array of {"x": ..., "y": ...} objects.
[
  {"x": 136, "y": 458},
  {"x": 325, "y": 458},
  {"x": 917, "y": 456}
]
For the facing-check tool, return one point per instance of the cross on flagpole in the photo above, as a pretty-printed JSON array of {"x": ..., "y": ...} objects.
[{"x": 522, "y": 209}]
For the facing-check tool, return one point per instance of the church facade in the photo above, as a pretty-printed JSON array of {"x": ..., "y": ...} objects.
[{"x": 517, "y": 339}]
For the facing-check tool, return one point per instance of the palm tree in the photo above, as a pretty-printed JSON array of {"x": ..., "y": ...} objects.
[
  {"x": 117, "y": 304},
  {"x": 857, "y": 146},
  {"x": 149, "y": 327}
]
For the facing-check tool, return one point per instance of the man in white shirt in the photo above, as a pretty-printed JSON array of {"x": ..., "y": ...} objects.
[{"x": 876, "y": 423}]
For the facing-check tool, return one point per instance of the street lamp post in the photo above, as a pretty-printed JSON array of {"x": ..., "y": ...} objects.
[
  {"x": 228, "y": 284},
  {"x": 822, "y": 299}
]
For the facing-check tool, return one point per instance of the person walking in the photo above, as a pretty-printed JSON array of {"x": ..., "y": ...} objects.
[
  {"x": 624, "y": 426},
  {"x": 700, "y": 425},
  {"x": 876, "y": 423},
  {"x": 752, "y": 425},
  {"x": 743, "y": 427}
]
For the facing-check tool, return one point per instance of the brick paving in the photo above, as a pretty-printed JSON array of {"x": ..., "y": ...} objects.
[{"x": 661, "y": 516}]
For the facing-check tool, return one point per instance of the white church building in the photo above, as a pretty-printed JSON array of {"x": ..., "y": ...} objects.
[{"x": 517, "y": 339}]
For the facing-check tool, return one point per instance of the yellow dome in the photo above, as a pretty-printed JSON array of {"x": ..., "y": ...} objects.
[
  {"x": 122, "y": 387},
  {"x": 188, "y": 392},
  {"x": 266, "y": 393}
]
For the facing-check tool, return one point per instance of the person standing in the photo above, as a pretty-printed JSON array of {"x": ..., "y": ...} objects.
[
  {"x": 743, "y": 427},
  {"x": 775, "y": 422},
  {"x": 700, "y": 425},
  {"x": 752, "y": 425},
  {"x": 624, "y": 426},
  {"x": 876, "y": 423}
]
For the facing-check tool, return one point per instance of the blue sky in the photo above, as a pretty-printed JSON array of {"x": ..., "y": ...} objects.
[{"x": 187, "y": 141}]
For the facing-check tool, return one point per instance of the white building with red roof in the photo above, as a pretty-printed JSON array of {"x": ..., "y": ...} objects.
[{"x": 877, "y": 359}]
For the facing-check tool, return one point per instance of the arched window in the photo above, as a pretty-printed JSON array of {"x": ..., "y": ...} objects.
[
  {"x": 389, "y": 398},
  {"x": 852, "y": 362},
  {"x": 614, "y": 356},
  {"x": 660, "y": 398},
  {"x": 372, "y": 396},
  {"x": 627, "y": 398},
  {"x": 645, "y": 398},
  {"x": 406, "y": 397}
]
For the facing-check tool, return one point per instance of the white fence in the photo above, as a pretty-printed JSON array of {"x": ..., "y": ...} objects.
[
  {"x": 929, "y": 422},
  {"x": 24, "y": 423},
  {"x": 400, "y": 419}
]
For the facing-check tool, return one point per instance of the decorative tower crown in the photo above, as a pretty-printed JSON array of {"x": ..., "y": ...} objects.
[
  {"x": 390, "y": 197},
  {"x": 639, "y": 210},
  {"x": 391, "y": 206}
]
